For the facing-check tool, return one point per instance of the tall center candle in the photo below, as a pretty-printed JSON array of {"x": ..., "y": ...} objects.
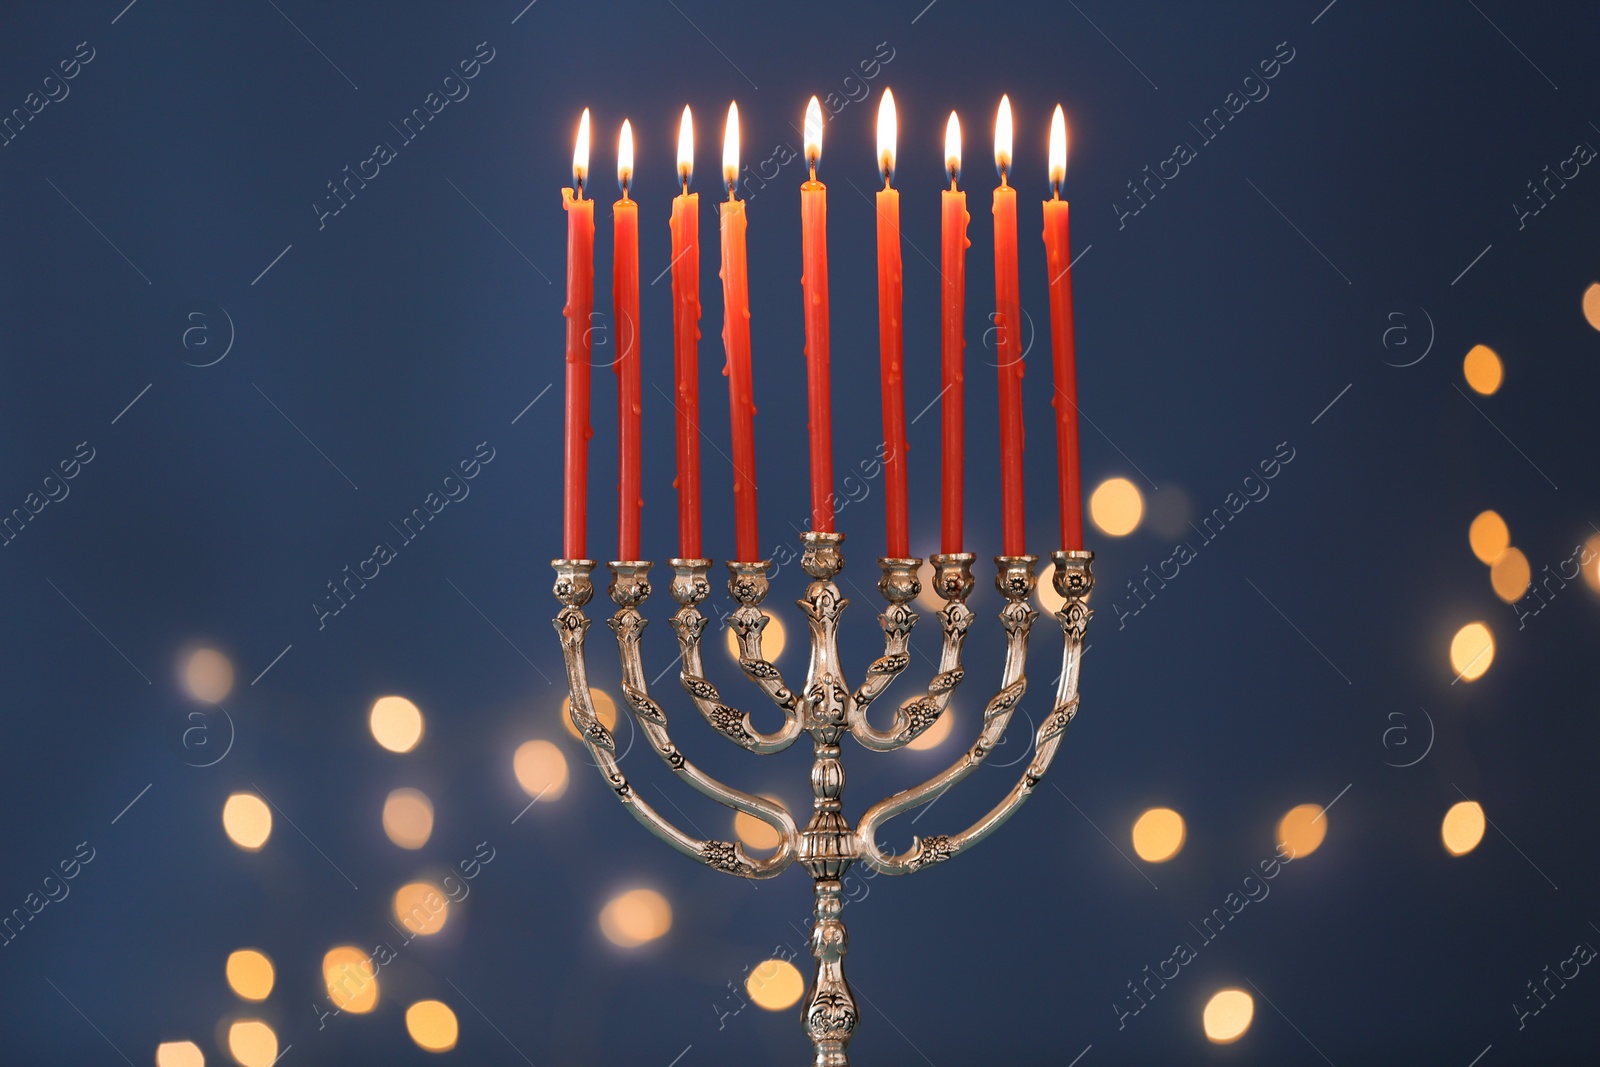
[
  {"x": 891, "y": 346},
  {"x": 736, "y": 341},
  {"x": 1063, "y": 348},
  {"x": 579, "y": 307},
  {"x": 1008, "y": 323},
  {"x": 686, "y": 342},
  {"x": 953, "y": 306},
  {"x": 814, "y": 285},
  {"x": 625, "y": 306}
]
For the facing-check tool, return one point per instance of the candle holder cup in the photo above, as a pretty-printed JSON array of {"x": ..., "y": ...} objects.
[{"x": 826, "y": 709}]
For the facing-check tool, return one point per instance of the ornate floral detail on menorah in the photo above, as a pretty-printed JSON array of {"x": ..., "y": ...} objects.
[{"x": 824, "y": 707}]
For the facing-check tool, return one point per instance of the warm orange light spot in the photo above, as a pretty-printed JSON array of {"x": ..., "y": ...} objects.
[
  {"x": 1510, "y": 575},
  {"x": 351, "y": 977},
  {"x": 408, "y": 818},
  {"x": 1483, "y": 369},
  {"x": 1591, "y": 305},
  {"x": 179, "y": 1054},
  {"x": 775, "y": 985},
  {"x": 1227, "y": 1016},
  {"x": 755, "y": 833},
  {"x": 1591, "y": 570},
  {"x": 636, "y": 917},
  {"x": 1489, "y": 536},
  {"x": 396, "y": 723},
  {"x": 541, "y": 769},
  {"x": 1116, "y": 506},
  {"x": 1158, "y": 835},
  {"x": 1463, "y": 827},
  {"x": 421, "y": 908},
  {"x": 208, "y": 675},
  {"x": 773, "y": 638},
  {"x": 432, "y": 1025},
  {"x": 1301, "y": 831},
  {"x": 605, "y": 709},
  {"x": 253, "y": 1043},
  {"x": 1471, "y": 651},
  {"x": 247, "y": 820},
  {"x": 250, "y": 974}
]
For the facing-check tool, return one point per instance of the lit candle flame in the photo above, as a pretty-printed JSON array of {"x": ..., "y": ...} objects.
[
  {"x": 685, "y": 147},
  {"x": 580, "y": 155},
  {"x": 730, "y": 150},
  {"x": 813, "y": 134},
  {"x": 1058, "y": 151},
  {"x": 1002, "y": 138},
  {"x": 887, "y": 131},
  {"x": 952, "y": 148},
  {"x": 625, "y": 158}
]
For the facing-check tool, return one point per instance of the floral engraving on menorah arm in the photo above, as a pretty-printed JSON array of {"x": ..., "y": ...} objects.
[
  {"x": 749, "y": 586},
  {"x": 630, "y": 586},
  {"x": 953, "y": 580}
]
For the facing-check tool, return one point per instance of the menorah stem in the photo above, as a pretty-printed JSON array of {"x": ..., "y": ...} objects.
[{"x": 830, "y": 1012}]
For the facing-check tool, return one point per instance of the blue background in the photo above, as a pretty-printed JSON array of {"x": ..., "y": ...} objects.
[{"x": 179, "y": 177}]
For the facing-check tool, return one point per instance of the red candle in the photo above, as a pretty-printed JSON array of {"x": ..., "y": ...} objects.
[
  {"x": 625, "y": 306},
  {"x": 1063, "y": 349},
  {"x": 736, "y": 341},
  {"x": 1008, "y": 323},
  {"x": 686, "y": 342},
  {"x": 953, "y": 268},
  {"x": 579, "y": 306},
  {"x": 814, "y": 284},
  {"x": 891, "y": 347}
]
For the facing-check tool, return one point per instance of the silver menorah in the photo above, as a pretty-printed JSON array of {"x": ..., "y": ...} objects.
[{"x": 827, "y": 846}]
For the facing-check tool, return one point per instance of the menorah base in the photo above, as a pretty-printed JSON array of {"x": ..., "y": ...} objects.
[{"x": 825, "y": 709}]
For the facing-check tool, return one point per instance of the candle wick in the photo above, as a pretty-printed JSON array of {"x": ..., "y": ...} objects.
[
  {"x": 811, "y": 161},
  {"x": 577, "y": 187}
]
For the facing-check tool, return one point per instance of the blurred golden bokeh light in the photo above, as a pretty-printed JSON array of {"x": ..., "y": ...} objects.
[
  {"x": 1301, "y": 831},
  {"x": 1050, "y": 601},
  {"x": 1462, "y": 828},
  {"x": 179, "y": 1054},
  {"x": 605, "y": 709},
  {"x": 421, "y": 908},
  {"x": 1510, "y": 575},
  {"x": 250, "y": 974},
  {"x": 247, "y": 820},
  {"x": 1227, "y": 1016},
  {"x": 208, "y": 675},
  {"x": 253, "y": 1043},
  {"x": 1471, "y": 651},
  {"x": 935, "y": 735},
  {"x": 1591, "y": 305},
  {"x": 636, "y": 917},
  {"x": 432, "y": 1025},
  {"x": 1116, "y": 507},
  {"x": 1158, "y": 835},
  {"x": 541, "y": 770},
  {"x": 773, "y": 638},
  {"x": 1591, "y": 551},
  {"x": 775, "y": 985},
  {"x": 1483, "y": 369},
  {"x": 408, "y": 818},
  {"x": 755, "y": 833},
  {"x": 1489, "y": 536},
  {"x": 351, "y": 977},
  {"x": 396, "y": 723}
]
